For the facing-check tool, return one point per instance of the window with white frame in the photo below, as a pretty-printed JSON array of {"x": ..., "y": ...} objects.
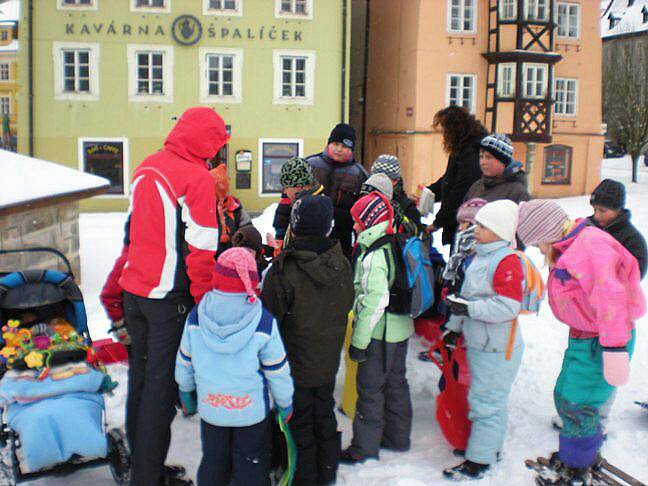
[
  {"x": 221, "y": 79},
  {"x": 273, "y": 153},
  {"x": 76, "y": 71},
  {"x": 223, "y": 7},
  {"x": 568, "y": 20},
  {"x": 536, "y": 9},
  {"x": 153, "y": 6},
  {"x": 508, "y": 9},
  {"x": 5, "y": 105},
  {"x": 150, "y": 73},
  {"x": 294, "y": 77},
  {"x": 461, "y": 90},
  {"x": 106, "y": 157},
  {"x": 535, "y": 80},
  {"x": 565, "y": 96},
  {"x": 77, "y": 4},
  {"x": 4, "y": 71},
  {"x": 462, "y": 15},
  {"x": 296, "y": 9},
  {"x": 506, "y": 79}
]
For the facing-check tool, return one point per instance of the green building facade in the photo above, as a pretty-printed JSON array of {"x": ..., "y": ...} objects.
[{"x": 110, "y": 77}]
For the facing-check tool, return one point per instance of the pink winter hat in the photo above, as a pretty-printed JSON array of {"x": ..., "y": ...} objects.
[
  {"x": 236, "y": 272},
  {"x": 541, "y": 221},
  {"x": 468, "y": 210}
]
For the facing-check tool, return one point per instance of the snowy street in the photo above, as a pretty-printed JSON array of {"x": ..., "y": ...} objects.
[{"x": 531, "y": 408}]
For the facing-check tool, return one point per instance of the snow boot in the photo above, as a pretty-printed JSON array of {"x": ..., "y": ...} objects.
[
  {"x": 174, "y": 470},
  {"x": 352, "y": 456},
  {"x": 171, "y": 481},
  {"x": 466, "y": 470},
  {"x": 462, "y": 453}
]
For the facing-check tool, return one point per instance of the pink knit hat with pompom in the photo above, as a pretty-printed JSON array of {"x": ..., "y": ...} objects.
[{"x": 236, "y": 272}]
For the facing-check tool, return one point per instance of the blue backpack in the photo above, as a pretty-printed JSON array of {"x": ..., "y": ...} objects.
[{"x": 412, "y": 291}]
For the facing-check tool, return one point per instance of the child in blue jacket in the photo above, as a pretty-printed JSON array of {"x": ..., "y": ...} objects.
[{"x": 231, "y": 359}]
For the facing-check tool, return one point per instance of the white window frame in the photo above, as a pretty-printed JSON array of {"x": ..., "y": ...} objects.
[
  {"x": 536, "y": 4},
  {"x": 502, "y": 10},
  {"x": 237, "y": 75},
  {"x": 93, "y": 60},
  {"x": 262, "y": 141},
  {"x": 564, "y": 102},
  {"x": 167, "y": 73},
  {"x": 8, "y": 67},
  {"x": 221, "y": 12},
  {"x": 473, "y": 101},
  {"x": 125, "y": 167},
  {"x": 500, "y": 77},
  {"x": 94, "y": 5},
  {"x": 8, "y": 96},
  {"x": 536, "y": 67},
  {"x": 567, "y": 25},
  {"x": 278, "y": 99},
  {"x": 462, "y": 19},
  {"x": 282, "y": 15},
  {"x": 138, "y": 9}
]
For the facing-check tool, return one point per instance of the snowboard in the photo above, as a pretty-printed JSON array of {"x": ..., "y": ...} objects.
[{"x": 602, "y": 474}]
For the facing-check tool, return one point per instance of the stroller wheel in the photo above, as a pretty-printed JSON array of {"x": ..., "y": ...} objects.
[{"x": 119, "y": 456}]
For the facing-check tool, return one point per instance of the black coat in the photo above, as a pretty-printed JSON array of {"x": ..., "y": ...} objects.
[
  {"x": 309, "y": 289},
  {"x": 461, "y": 173},
  {"x": 626, "y": 234}
]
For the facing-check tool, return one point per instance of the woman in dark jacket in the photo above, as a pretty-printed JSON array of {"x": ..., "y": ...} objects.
[{"x": 462, "y": 133}]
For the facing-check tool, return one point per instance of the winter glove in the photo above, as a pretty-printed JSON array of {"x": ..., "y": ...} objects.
[
  {"x": 188, "y": 402},
  {"x": 616, "y": 365},
  {"x": 457, "y": 305},
  {"x": 285, "y": 414},
  {"x": 450, "y": 339},
  {"x": 356, "y": 354},
  {"x": 118, "y": 328}
]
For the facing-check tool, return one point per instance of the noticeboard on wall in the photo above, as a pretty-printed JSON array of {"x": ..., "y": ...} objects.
[
  {"x": 274, "y": 154},
  {"x": 557, "y": 165},
  {"x": 105, "y": 158}
]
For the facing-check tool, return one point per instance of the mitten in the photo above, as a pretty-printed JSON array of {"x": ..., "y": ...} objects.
[
  {"x": 450, "y": 338},
  {"x": 285, "y": 413},
  {"x": 616, "y": 365},
  {"x": 356, "y": 354},
  {"x": 457, "y": 305},
  {"x": 118, "y": 328},
  {"x": 188, "y": 402}
]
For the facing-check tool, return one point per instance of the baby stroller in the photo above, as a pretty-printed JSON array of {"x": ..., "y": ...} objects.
[{"x": 52, "y": 424}]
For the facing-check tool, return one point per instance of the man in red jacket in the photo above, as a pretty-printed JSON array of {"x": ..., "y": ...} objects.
[{"x": 171, "y": 240}]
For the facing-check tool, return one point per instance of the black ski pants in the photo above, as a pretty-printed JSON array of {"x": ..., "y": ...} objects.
[{"x": 155, "y": 327}]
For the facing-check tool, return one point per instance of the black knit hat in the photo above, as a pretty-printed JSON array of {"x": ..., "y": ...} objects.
[
  {"x": 344, "y": 134},
  {"x": 609, "y": 194},
  {"x": 312, "y": 216}
]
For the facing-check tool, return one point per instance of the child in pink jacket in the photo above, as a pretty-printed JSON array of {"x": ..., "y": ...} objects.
[{"x": 593, "y": 287}]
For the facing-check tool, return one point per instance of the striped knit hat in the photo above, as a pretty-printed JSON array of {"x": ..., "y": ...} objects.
[
  {"x": 541, "y": 221},
  {"x": 500, "y": 146},
  {"x": 372, "y": 209},
  {"x": 388, "y": 165},
  {"x": 236, "y": 272},
  {"x": 468, "y": 210}
]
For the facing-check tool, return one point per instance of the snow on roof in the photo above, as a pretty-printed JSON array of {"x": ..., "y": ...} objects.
[
  {"x": 26, "y": 179},
  {"x": 11, "y": 47},
  {"x": 619, "y": 17},
  {"x": 10, "y": 10}
]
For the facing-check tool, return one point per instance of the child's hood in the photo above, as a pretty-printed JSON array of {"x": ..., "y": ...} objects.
[
  {"x": 323, "y": 268},
  {"x": 227, "y": 321}
]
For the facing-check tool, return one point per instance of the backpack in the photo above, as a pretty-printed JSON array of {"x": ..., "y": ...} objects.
[
  {"x": 533, "y": 292},
  {"x": 412, "y": 291}
]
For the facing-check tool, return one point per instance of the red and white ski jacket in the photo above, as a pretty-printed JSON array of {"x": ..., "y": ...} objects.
[{"x": 173, "y": 227}]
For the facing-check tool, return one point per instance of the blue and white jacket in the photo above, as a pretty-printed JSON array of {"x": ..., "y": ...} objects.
[{"x": 231, "y": 353}]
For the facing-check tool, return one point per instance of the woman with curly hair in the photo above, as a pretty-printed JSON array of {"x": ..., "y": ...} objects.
[{"x": 462, "y": 133}]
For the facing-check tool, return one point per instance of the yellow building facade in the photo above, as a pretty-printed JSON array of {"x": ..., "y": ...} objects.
[{"x": 9, "y": 72}]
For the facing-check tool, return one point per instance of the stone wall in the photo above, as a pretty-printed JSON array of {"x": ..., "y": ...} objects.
[{"x": 55, "y": 226}]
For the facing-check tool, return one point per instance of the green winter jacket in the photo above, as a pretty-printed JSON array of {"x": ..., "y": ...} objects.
[{"x": 371, "y": 283}]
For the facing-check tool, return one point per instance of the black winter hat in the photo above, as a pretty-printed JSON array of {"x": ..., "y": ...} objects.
[
  {"x": 312, "y": 216},
  {"x": 344, "y": 134},
  {"x": 609, "y": 194}
]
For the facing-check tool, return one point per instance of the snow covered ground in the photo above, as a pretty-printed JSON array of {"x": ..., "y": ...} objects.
[{"x": 530, "y": 407}]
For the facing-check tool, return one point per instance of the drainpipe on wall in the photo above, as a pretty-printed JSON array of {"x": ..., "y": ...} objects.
[
  {"x": 530, "y": 158},
  {"x": 343, "y": 70},
  {"x": 364, "y": 77},
  {"x": 30, "y": 67}
]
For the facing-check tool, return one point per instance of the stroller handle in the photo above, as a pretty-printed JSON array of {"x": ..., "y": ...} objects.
[{"x": 43, "y": 249}]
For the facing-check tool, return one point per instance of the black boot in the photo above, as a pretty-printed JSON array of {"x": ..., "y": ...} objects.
[
  {"x": 171, "y": 481},
  {"x": 466, "y": 470},
  {"x": 174, "y": 470},
  {"x": 352, "y": 456}
]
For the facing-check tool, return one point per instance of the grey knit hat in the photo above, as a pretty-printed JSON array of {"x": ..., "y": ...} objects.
[
  {"x": 379, "y": 182},
  {"x": 541, "y": 221},
  {"x": 500, "y": 146},
  {"x": 388, "y": 165},
  {"x": 296, "y": 172}
]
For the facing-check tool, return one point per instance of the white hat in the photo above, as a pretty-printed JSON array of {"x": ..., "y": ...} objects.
[{"x": 501, "y": 217}]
